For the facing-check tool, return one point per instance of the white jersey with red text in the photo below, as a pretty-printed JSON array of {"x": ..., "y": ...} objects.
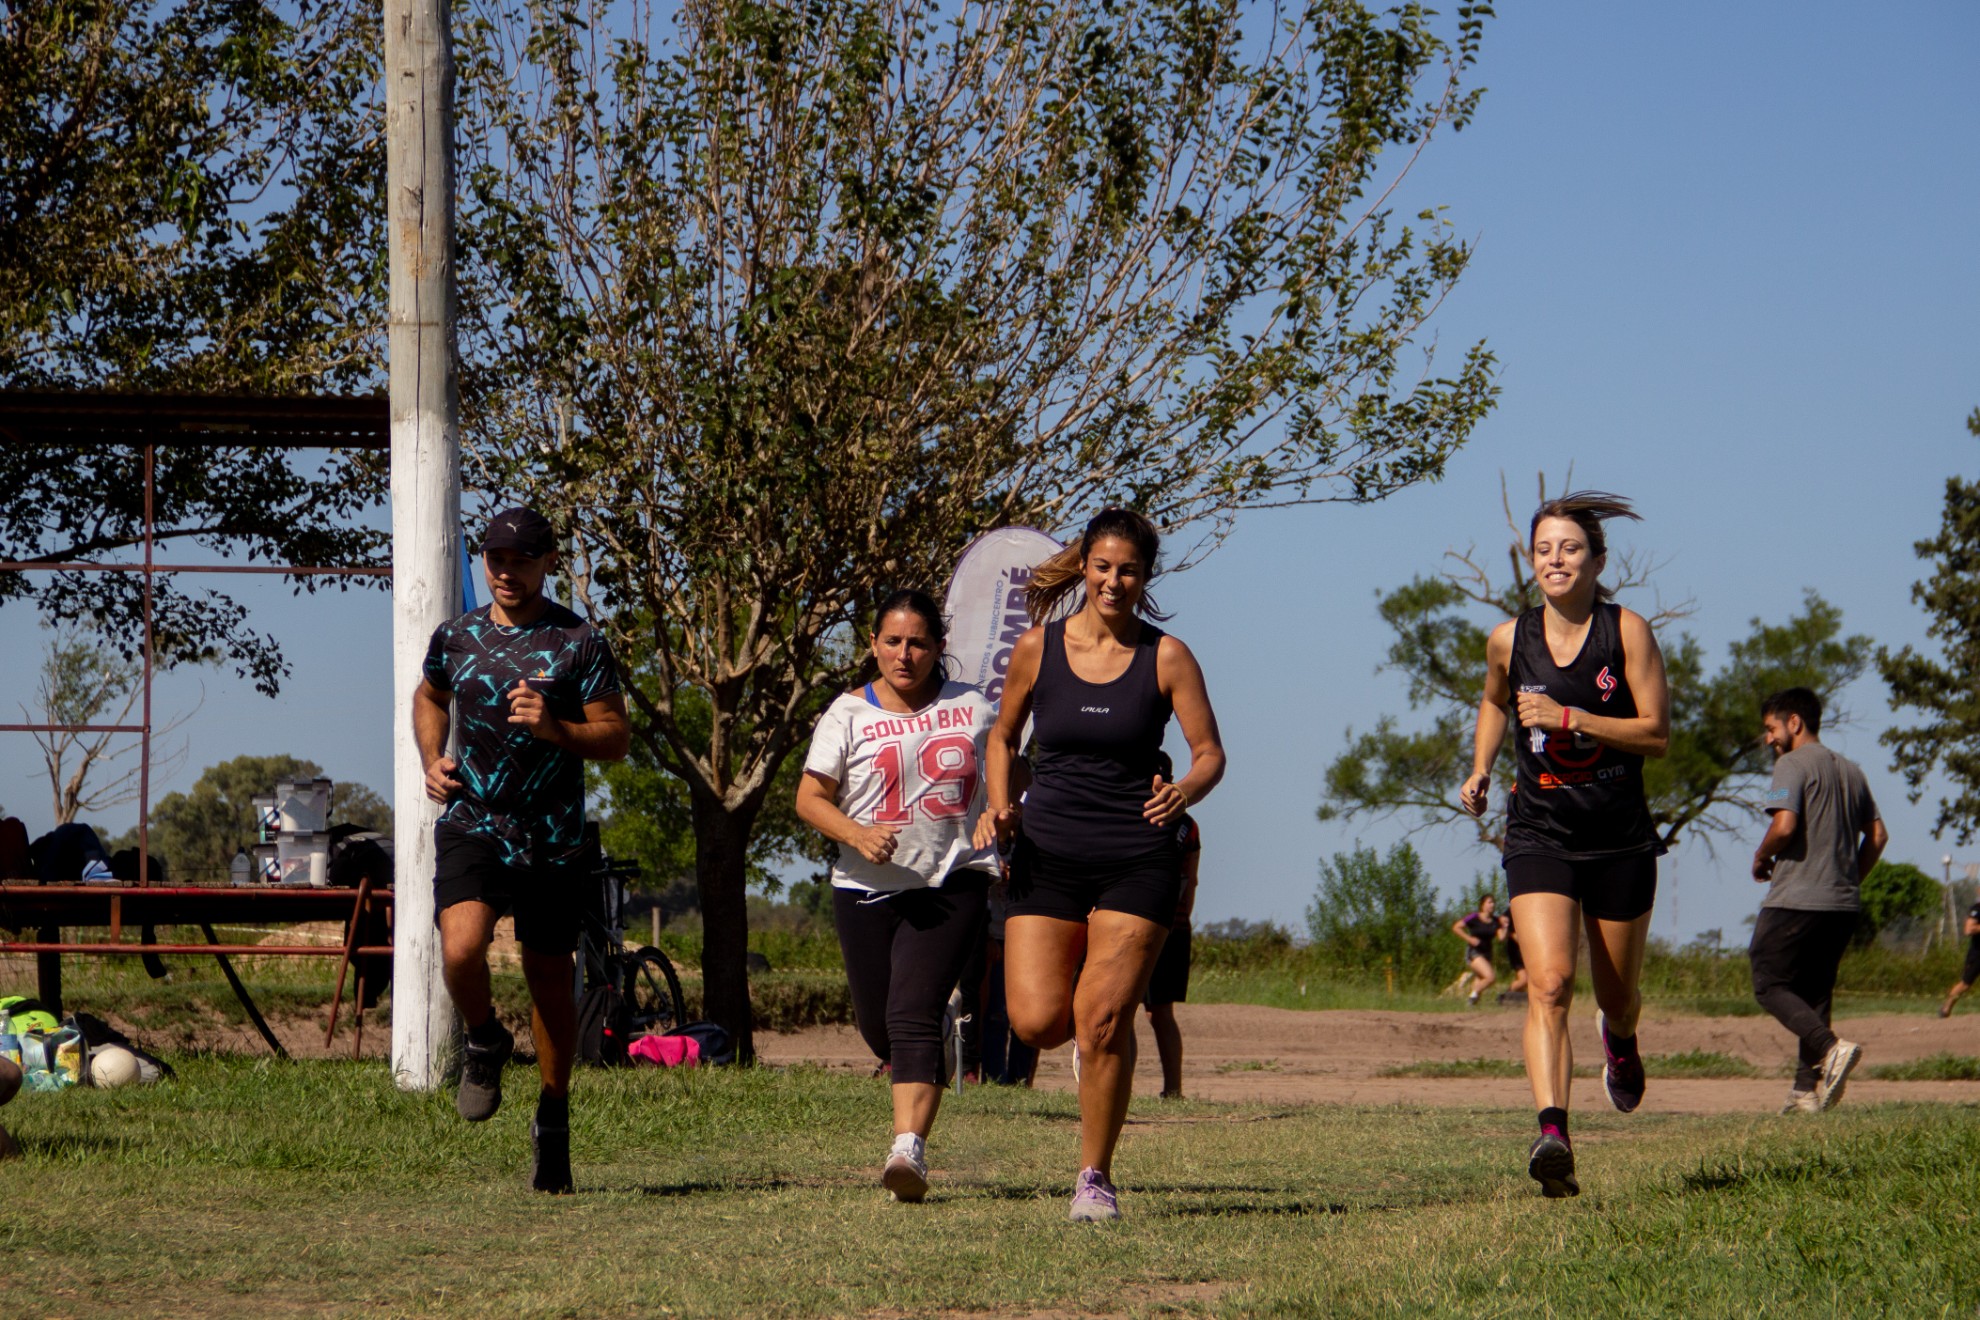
[{"x": 921, "y": 773}]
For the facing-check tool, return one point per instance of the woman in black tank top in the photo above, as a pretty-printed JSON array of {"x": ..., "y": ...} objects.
[
  {"x": 1095, "y": 869},
  {"x": 1584, "y": 683}
]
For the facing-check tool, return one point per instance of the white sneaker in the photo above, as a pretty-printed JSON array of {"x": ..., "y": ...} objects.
[
  {"x": 905, "y": 1174},
  {"x": 1802, "y": 1102},
  {"x": 1836, "y": 1065}
]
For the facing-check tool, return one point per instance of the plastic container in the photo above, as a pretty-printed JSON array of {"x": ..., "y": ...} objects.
[
  {"x": 240, "y": 871},
  {"x": 267, "y": 819},
  {"x": 303, "y": 805},
  {"x": 300, "y": 859},
  {"x": 266, "y": 868}
]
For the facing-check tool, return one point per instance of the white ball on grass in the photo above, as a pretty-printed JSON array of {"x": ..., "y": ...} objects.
[{"x": 112, "y": 1065}]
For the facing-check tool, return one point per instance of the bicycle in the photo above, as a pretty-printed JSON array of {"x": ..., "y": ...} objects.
[{"x": 645, "y": 977}]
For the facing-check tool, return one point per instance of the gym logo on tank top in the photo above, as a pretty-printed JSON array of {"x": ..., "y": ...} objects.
[{"x": 1574, "y": 797}]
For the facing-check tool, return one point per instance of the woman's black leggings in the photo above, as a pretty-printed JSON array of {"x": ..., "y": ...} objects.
[{"x": 904, "y": 952}]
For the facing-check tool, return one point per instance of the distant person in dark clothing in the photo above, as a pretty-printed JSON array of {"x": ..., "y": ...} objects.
[
  {"x": 1971, "y": 971},
  {"x": 1169, "y": 984},
  {"x": 533, "y": 693},
  {"x": 1478, "y": 930},
  {"x": 1823, "y": 838}
]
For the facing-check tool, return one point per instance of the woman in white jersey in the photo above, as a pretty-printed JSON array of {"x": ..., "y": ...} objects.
[{"x": 894, "y": 777}]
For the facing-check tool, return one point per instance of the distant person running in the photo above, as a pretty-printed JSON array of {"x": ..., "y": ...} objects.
[
  {"x": 533, "y": 693},
  {"x": 1169, "y": 984},
  {"x": 1969, "y": 973},
  {"x": 1823, "y": 837},
  {"x": 1478, "y": 931},
  {"x": 1585, "y": 682},
  {"x": 1096, "y": 873},
  {"x": 1509, "y": 932},
  {"x": 894, "y": 777}
]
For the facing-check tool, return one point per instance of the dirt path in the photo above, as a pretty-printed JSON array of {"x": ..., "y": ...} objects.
[{"x": 1238, "y": 1052}]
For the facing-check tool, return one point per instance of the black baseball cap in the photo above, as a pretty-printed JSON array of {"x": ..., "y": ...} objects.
[{"x": 524, "y": 531}]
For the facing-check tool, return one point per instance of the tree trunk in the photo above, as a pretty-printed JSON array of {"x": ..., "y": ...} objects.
[{"x": 721, "y": 874}]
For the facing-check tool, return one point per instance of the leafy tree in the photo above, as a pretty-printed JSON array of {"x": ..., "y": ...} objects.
[
  {"x": 1704, "y": 785},
  {"x": 83, "y": 684},
  {"x": 1371, "y": 909},
  {"x": 197, "y": 833},
  {"x": 1946, "y": 693},
  {"x": 1894, "y": 890},
  {"x": 777, "y": 305},
  {"x": 190, "y": 199}
]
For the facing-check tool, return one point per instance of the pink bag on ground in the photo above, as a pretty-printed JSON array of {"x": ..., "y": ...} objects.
[{"x": 666, "y": 1051}]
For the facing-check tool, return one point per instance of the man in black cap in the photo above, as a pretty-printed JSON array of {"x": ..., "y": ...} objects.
[{"x": 533, "y": 693}]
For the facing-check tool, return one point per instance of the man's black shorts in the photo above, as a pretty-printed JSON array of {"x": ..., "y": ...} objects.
[
  {"x": 1971, "y": 972},
  {"x": 1611, "y": 889},
  {"x": 547, "y": 901},
  {"x": 1045, "y": 884},
  {"x": 1170, "y": 982}
]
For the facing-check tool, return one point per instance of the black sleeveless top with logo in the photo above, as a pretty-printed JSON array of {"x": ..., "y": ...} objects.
[
  {"x": 1095, "y": 759},
  {"x": 1575, "y": 798}
]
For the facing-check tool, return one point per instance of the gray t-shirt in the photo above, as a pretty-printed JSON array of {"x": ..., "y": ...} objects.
[{"x": 1816, "y": 872}]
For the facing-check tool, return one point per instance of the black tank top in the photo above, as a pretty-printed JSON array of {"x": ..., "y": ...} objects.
[
  {"x": 1095, "y": 760},
  {"x": 1484, "y": 929},
  {"x": 1575, "y": 798}
]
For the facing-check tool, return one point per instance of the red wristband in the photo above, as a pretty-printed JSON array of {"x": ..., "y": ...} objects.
[{"x": 1565, "y": 710}]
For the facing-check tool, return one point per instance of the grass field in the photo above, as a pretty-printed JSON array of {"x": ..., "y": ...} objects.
[{"x": 269, "y": 1189}]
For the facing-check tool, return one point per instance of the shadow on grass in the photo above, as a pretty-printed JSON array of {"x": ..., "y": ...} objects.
[{"x": 1743, "y": 1175}]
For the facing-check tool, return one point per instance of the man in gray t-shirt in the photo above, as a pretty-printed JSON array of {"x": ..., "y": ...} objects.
[{"x": 1823, "y": 836}]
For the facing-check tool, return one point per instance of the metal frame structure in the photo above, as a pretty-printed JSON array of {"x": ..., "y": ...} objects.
[{"x": 148, "y": 422}]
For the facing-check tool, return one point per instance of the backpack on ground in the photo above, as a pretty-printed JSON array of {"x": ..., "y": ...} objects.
[{"x": 717, "y": 1046}]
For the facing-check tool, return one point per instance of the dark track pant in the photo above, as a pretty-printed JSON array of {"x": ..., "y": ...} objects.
[
  {"x": 904, "y": 954},
  {"x": 1795, "y": 955}
]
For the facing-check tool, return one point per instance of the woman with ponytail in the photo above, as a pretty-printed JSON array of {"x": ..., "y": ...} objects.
[
  {"x": 1095, "y": 868},
  {"x": 1584, "y": 681}
]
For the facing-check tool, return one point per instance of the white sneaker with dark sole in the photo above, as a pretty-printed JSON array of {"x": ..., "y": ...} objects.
[
  {"x": 1836, "y": 1066},
  {"x": 905, "y": 1174}
]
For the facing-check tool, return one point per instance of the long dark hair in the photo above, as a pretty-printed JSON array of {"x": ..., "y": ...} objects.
[
  {"x": 1065, "y": 572},
  {"x": 1586, "y": 509},
  {"x": 914, "y": 601}
]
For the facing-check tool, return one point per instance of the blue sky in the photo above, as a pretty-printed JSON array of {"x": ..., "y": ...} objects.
[{"x": 1726, "y": 260}]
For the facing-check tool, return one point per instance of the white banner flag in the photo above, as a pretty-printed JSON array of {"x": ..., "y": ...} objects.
[{"x": 986, "y": 603}]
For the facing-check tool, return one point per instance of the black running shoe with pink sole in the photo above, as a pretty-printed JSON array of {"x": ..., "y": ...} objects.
[
  {"x": 1551, "y": 1164},
  {"x": 1622, "y": 1072}
]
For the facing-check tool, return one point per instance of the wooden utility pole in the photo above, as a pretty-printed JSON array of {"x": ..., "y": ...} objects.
[{"x": 426, "y": 493}]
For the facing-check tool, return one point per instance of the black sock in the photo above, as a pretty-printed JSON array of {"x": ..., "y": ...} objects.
[
  {"x": 553, "y": 1111},
  {"x": 1554, "y": 1118},
  {"x": 489, "y": 1033}
]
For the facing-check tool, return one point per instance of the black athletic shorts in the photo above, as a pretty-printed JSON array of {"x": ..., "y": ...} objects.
[
  {"x": 1612, "y": 889},
  {"x": 546, "y": 900},
  {"x": 1048, "y": 885},
  {"x": 1970, "y": 973},
  {"x": 1169, "y": 984}
]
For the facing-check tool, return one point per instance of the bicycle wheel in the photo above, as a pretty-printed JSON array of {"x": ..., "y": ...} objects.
[{"x": 653, "y": 993}]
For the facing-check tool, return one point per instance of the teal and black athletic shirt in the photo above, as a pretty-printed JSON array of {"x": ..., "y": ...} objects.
[
  {"x": 523, "y": 792},
  {"x": 1575, "y": 799}
]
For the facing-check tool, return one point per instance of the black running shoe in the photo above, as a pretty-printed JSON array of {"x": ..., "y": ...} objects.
[
  {"x": 1551, "y": 1164},
  {"x": 550, "y": 1159},
  {"x": 481, "y": 1078},
  {"x": 1622, "y": 1075}
]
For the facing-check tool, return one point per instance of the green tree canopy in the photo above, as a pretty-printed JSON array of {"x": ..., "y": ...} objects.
[
  {"x": 1944, "y": 692},
  {"x": 777, "y": 305},
  {"x": 1894, "y": 890},
  {"x": 1370, "y": 910},
  {"x": 1704, "y": 785},
  {"x": 191, "y": 198}
]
